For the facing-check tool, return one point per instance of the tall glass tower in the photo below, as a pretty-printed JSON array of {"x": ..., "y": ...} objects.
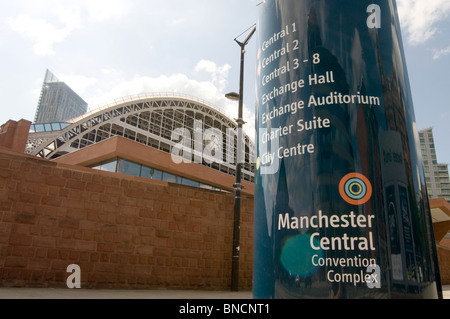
[
  {"x": 58, "y": 102},
  {"x": 436, "y": 175}
]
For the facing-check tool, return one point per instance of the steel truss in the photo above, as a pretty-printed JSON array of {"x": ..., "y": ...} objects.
[{"x": 149, "y": 120}]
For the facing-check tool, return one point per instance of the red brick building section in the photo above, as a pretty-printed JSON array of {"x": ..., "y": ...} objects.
[
  {"x": 14, "y": 135},
  {"x": 444, "y": 260},
  {"x": 123, "y": 232},
  {"x": 440, "y": 210}
]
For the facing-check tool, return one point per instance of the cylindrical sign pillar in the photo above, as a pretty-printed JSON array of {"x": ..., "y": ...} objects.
[{"x": 341, "y": 207}]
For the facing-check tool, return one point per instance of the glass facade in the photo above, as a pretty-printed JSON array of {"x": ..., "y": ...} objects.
[
  {"x": 152, "y": 120},
  {"x": 123, "y": 166},
  {"x": 48, "y": 127},
  {"x": 436, "y": 175},
  {"x": 58, "y": 102}
]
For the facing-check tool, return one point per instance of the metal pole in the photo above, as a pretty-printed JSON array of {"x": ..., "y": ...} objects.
[{"x": 238, "y": 186}]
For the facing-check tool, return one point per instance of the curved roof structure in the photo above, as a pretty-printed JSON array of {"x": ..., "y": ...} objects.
[{"x": 146, "y": 119}]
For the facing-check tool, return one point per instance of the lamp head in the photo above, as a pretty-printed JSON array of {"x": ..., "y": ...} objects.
[{"x": 232, "y": 96}]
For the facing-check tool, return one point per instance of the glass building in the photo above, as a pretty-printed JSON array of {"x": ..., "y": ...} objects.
[
  {"x": 161, "y": 122},
  {"x": 58, "y": 102},
  {"x": 436, "y": 175}
]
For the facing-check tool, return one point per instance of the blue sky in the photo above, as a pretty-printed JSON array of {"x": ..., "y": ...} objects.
[{"x": 107, "y": 49}]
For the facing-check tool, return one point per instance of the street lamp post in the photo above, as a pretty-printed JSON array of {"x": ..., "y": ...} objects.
[{"x": 238, "y": 186}]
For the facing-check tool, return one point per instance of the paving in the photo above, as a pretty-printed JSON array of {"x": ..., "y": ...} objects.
[
  {"x": 55, "y": 293},
  {"x": 61, "y": 293},
  {"x": 446, "y": 292}
]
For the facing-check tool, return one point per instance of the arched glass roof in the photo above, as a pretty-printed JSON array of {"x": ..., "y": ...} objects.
[{"x": 149, "y": 120}]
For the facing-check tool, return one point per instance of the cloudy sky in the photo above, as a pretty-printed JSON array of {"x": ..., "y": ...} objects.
[{"x": 107, "y": 49}]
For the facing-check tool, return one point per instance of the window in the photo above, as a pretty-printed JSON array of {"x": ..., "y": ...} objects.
[
  {"x": 130, "y": 168},
  {"x": 151, "y": 173},
  {"x": 189, "y": 182},
  {"x": 39, "y": 128},
  {"x": 109, "y": 166},
  {"x": 169, "y": 178}
]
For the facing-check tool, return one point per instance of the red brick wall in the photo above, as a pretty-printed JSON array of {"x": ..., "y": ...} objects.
[
  {"x": 123, "y": 232},
  {"x": 445, "y": 243},
  {"x": 14, "y": 135},
  {"x": 444, "y": 264}
]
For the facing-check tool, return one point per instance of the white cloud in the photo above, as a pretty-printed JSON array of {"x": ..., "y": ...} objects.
[
  {"x": 219, "y": 74},
  {"x": 176, "y": 83},
  {"x": 419, "y": 18},
  {"x": 210, "y": 91},
  {"x": 440, "y": 53},
  {"x": 79, "y": 83},
  {"x": 178, "y": 22},
  {"x": 44, "y": 34},
  {"x": 106, "y": 9}
]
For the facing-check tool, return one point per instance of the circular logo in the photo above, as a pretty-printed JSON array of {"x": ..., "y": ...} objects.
[{"x": 355, "y": 189}]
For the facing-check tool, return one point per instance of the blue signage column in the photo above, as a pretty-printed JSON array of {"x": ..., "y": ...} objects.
[{"x": 341, "y": 207}]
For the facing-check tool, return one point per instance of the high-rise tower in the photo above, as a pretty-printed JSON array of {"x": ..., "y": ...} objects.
[
  {"x": 436, "y": 175},
  {"x": 58, "y": 102}
]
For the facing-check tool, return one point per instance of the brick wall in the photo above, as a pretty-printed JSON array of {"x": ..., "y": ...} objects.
[
  {"x": 14, "y": 135},
  {"x": 123, "y": 232},
  {"x": 445, "y": 243},
  {"x": 444, "y": 264}
]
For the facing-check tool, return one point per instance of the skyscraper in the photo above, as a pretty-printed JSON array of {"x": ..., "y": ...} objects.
[
  {"x": 58, "y": 102},
  {"x": 436, "y": 175}
]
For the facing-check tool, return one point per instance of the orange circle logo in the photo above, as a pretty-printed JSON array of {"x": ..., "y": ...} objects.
[{"x": 355, "y": 189}]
